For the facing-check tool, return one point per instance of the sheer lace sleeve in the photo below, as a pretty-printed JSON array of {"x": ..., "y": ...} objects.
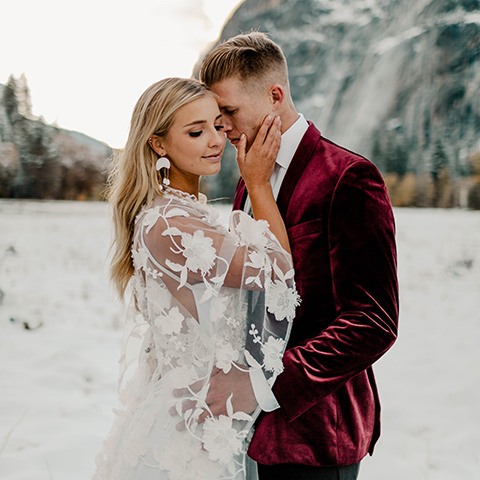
[
  {"x": 197, "y": 249},
  {"x": 205, "y": 296}
]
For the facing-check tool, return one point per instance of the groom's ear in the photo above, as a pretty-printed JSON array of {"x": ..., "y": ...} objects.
[{"x": 277, "y": 95}]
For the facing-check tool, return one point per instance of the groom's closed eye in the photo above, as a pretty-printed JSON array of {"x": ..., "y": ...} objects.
[{"x": 229, "y": 112}]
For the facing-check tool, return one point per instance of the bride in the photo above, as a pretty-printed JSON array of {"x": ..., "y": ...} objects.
[{"x": 206, "y": 299}]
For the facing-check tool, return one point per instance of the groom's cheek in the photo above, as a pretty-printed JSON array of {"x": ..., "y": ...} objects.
[{"x": 251, "y": 135}]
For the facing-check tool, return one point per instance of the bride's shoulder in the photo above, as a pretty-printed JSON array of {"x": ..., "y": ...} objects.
[{"x": 198, "y": 208}]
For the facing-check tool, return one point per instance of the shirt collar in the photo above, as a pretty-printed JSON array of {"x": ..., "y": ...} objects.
[{"x": 290, "y": 141}]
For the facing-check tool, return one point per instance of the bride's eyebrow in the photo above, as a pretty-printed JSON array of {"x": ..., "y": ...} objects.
[
  {"x": 197, "y": 122},
  {"x": 200, "y": 122}
]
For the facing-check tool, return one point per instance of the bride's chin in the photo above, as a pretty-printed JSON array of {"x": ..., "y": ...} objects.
[{"x": 213, "y": 170}]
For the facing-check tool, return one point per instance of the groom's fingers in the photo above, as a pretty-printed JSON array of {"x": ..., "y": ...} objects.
[
  {"x": 204, "y": 415},
  {"x": 241, "y": 148},
  {"x": 262, "y": 133},
  {"x": 272, "y": 142},
  {"x": 193, "y": 388},
  {"x": 181, "y": 407},
  {"x": 268, "y": 138}
]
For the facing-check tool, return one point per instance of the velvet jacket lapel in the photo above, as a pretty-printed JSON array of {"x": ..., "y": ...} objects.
[
  {"x": 297, "y": 166},
  {"x": 240, "y": 195}
]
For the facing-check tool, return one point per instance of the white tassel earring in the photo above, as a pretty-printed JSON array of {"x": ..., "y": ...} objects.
[{"x": 164, "y": 162}]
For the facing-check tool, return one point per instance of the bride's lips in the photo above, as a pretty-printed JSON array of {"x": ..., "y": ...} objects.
[{"x": 214, "y": 157}]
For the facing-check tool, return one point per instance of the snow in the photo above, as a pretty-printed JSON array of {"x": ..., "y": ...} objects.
[{"x": 58, "y": 377}]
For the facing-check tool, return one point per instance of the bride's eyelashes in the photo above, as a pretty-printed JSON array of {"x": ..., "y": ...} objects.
[{"x": 198, "y": 133}]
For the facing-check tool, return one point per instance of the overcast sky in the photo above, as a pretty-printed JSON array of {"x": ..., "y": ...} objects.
[{"x": 88, "y": 62}]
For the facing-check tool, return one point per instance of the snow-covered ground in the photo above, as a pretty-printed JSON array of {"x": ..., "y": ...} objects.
[{"x": 60, "y": 332}]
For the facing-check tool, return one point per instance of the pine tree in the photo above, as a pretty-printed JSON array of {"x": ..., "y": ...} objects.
[
  {"x": 377, "y": 155},
  {"x": 442, "y": 182},
  {"x": 9, "y": 100},
  {"x": 24, "y": 100},
  {"x": 396, "y": 155},
  {"x": 44, "y": 167},
  {"x": 439, "y": 159}
]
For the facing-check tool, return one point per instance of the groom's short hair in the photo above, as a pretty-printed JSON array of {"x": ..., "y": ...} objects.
[{"x": 251, "y": 56}]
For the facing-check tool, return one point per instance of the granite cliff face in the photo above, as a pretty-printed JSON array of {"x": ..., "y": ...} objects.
[{"x": 381, "y": 76}]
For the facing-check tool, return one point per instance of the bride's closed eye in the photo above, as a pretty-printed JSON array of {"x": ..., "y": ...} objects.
[{"x": 199, "y": 132}]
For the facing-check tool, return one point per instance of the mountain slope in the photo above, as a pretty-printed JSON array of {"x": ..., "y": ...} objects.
[
  {"x": 379, "y": 75},
  {"x": 38, "y": 160}
]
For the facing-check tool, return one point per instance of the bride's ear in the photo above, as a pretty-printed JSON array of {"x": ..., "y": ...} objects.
[{"x": 156, "y": 144}]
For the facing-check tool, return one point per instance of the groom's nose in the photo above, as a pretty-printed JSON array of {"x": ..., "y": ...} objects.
[{"x": 227, "y": 125}]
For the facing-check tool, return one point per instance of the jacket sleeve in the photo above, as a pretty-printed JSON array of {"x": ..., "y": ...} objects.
[{"x": 361, "y": 242}]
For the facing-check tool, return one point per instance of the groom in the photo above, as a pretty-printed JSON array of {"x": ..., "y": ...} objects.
[{"x": 322, "y": 415}]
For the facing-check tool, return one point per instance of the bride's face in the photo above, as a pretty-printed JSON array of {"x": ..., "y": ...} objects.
[{"x": 195, "y": 142}]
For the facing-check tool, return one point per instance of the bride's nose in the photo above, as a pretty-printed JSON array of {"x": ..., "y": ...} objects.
[{"x": 217, "y": 138}]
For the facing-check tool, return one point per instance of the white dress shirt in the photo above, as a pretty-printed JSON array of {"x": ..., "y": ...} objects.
[{"x": 290, "y": 141}]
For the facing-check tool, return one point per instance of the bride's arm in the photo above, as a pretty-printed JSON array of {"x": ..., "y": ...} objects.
[{"x": 256, "y": 168}]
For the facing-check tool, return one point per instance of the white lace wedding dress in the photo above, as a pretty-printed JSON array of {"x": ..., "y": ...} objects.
[{"x": 204, "y": 297}]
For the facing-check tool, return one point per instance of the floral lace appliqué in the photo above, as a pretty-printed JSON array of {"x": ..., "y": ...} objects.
[{"x": 204, "y": 297}]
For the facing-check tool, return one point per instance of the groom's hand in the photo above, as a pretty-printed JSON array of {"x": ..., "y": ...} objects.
[
  {"x": 222, "y": 385},
  {"x": 256, "y": 166}
]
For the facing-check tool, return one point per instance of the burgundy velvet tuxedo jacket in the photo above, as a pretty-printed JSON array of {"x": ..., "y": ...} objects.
[{"x": 342, "y": 235}]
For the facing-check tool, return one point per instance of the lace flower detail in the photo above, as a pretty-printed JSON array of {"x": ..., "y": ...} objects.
[
  {"x": 272, "y": 350},
  {"x": 158, "y": 295},
  {"x": 252, "y": 232},
  {"x": 151, "y": 217},
  {"x": 175, "y": 458},
  {"x": 199, "y": 251},
  {"x": 226, "y": 355},
  {"x": 281, "y": 300},
  {"x": 176, "y": 212},
  {"x": 171, "y": 322},
  {"x": 256, "y": 260},
  {"x": 221, "y": 440},
  {"x": 181, "y": 377},
  {"x": 140, "y": 258}
]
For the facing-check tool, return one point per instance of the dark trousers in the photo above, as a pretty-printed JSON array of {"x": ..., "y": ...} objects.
[{"x": 307, "y": 472}]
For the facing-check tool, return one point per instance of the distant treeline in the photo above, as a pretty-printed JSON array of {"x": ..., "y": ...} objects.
[
  {"x": 409, "y": 183},
  {"x": 437, "y": 181},
  {"x": 42, "y": 161}
]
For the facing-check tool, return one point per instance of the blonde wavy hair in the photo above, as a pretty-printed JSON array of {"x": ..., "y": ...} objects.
[{"x": 134, "y": 180}]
